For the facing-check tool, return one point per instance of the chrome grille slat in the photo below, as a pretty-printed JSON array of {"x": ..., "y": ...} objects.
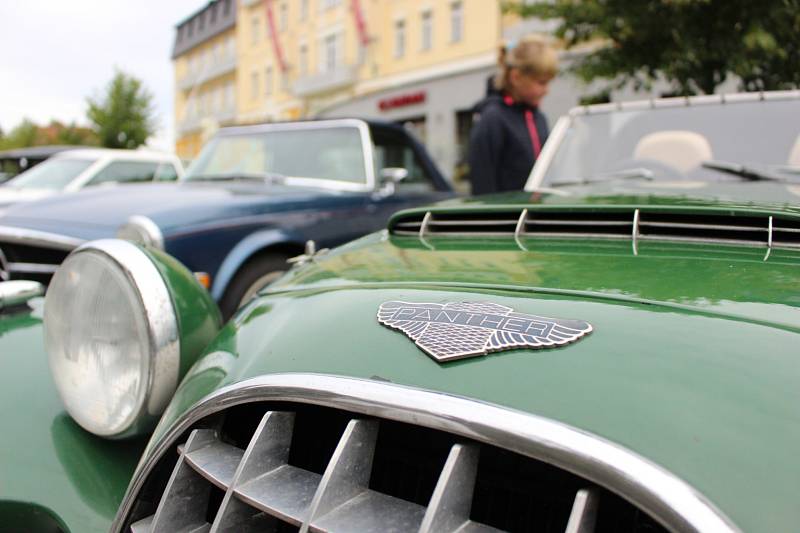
[
  {"x": 451, "y": 502},
  {"x": 643, "y": 223},
  {"x": 267, "y": 451},
  {"x": 371, "y": 511},
  {"x": 584, "y": 512},
  {"x": 186, "y": 495},
  {"x": 285, "y": 493},
  {"x": 216, "y": 462},
  {"x": 348, "y": 471},
  {"x": 143, "y": 526},
  {"x": 567, "y": 222},
  {"x": 468, "y": 222},
  {"x": 786, "y": 230}
]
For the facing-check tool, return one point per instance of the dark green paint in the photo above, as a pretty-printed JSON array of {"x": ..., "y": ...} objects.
[
  {"x": 52, "y": 472},
  {"x": 693, "y": 362},
  {"x": 198, "y": 316}
]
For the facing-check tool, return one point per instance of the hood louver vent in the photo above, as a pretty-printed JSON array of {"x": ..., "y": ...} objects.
[{"x": 636, "y": 225}]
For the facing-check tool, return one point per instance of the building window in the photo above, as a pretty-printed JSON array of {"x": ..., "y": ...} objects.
[
  {"x": 285, "y": 80},
  {"x": 254, "y": 85},
  {"x": 229, "y": 97},
  {"x": 255, "y": 29},
  {"x": 268, "y": 81},
  {"x": 329, "y": 53},
  {"x": 329, "y": 4},
  {"x": 303, "y": 9},
  {"x": 303, "y": 59},
  {"x": 426, "y": 35},
  {"x": 399, "y": 38},
  {"x": 226, "y": 8},
  {"x": 283, "y": 17},
  {"x": 456, "y": 22},
  {"x": 231, "y": 45}
]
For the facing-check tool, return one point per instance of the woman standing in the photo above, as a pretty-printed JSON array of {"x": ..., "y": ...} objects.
[{"x": 511, "y": 131}]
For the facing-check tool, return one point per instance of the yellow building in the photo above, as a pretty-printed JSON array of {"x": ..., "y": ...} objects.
[{"x": 421, "y": 62}]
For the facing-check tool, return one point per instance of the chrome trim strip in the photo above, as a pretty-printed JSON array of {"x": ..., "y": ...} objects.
[
  {"x": 635, "y": 232},
  {"x": 523, "y": 217},
  {"x": 422, "y": 227},
  {"x": 18, "y": 292},
  {"x": 682, "y": 101},
  {"x": 32, "y": 268},
  {"x": 769, "y": 239},
  {"x": 769, "y": 233},
  {"x": 162, "y": 325},
  {"x": 5, "y": 274},
  {"x": 148, "y": 229},
  {"x": 39, "y": 238},
  {"x": 426, "y": 219},
  {"x": 668, "y": 499},
  {"x": 542, "y": 163}
]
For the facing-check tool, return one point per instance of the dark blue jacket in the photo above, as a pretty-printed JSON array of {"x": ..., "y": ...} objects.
[{"x": 504, "y": 144}]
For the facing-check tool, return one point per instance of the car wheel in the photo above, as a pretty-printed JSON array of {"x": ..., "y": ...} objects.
[{"x": 256, "y": 274}]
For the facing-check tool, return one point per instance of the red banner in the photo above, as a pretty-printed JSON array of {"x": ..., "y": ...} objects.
[
  {"x": 361, "y": 25},
  {"x": 276, "y": 44}
]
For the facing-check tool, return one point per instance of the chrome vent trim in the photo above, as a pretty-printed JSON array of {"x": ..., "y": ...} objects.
[
  {"x": 23, "y": 251},
  {"x": 260, "y": 478},
  {"x": 636, "y": 224}
]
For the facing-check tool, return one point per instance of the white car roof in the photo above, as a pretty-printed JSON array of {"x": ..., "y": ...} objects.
[{"x": 97, "y": 153}]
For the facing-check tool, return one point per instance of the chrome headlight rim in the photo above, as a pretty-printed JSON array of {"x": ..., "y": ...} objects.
[
  {"x": 162, "y": 331},
  {"x": 147, "y": 231}
]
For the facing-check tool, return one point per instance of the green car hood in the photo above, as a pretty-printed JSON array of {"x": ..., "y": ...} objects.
[
  {"x": 693, "y": 361},
  {"x": 53, "y": 473}
]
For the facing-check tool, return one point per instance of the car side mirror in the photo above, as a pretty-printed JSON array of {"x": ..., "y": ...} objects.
[{"x": 389, "y": 178}]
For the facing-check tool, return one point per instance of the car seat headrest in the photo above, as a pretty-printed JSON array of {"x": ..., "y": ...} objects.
[{"x": 680, "y": 149}]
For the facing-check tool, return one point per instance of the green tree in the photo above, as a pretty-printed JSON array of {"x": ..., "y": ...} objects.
[
  {"x": 26, "y": 133},
  {"x": 695, "y": 45},
  {"x": 123, "y": 117}
]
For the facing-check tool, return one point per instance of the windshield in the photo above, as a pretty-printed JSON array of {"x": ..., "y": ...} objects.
[
  {"x": 681, "y": 143},
  {"x": 324, "y": 154},
  {"x": 52, "y": 174}
]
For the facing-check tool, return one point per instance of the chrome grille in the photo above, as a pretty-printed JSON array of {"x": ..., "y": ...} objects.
[
  {"x": 32, "y": 255},
  {"x": 712, "y": 227},
  {"x": 319, "y": 469}
]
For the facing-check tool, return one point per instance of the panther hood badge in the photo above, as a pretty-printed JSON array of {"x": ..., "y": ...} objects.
[{"x": 455, "y": 330}]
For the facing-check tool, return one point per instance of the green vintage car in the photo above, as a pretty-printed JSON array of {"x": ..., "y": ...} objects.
[{"x": 610, "y": 356}]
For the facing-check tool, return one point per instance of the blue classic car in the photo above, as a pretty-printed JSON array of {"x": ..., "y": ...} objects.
[{"x": 252, "y": 199}]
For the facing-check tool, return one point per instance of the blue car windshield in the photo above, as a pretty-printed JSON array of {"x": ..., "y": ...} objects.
[
  {"x": 694, "y": 142},
  {"x": 330, "y": 153}
]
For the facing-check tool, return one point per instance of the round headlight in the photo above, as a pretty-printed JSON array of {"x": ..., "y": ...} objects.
[
  {"x": 142, "y": 230},
  {"x": 111, "y": 333}
]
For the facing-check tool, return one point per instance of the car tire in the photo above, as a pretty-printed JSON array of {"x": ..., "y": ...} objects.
[{"x": 256, "y": 274}]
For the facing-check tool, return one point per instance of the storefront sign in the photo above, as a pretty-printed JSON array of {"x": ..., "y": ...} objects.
[{"x": 402, "y": 101}]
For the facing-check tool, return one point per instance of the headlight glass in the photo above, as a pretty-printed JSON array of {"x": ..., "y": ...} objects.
[{"x": 111, "y": 365}]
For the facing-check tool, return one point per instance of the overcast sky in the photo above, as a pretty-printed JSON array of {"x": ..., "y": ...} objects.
[{"x": 55, "y": 53}]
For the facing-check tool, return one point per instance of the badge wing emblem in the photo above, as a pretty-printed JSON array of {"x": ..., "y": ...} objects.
[{"x": 456, "y": 330}]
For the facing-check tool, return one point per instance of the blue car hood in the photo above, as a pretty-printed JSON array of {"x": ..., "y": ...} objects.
[{"x": 98, "y": 212}]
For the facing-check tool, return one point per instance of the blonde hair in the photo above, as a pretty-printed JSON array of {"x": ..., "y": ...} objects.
[{"x": 533, "y": 55}]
